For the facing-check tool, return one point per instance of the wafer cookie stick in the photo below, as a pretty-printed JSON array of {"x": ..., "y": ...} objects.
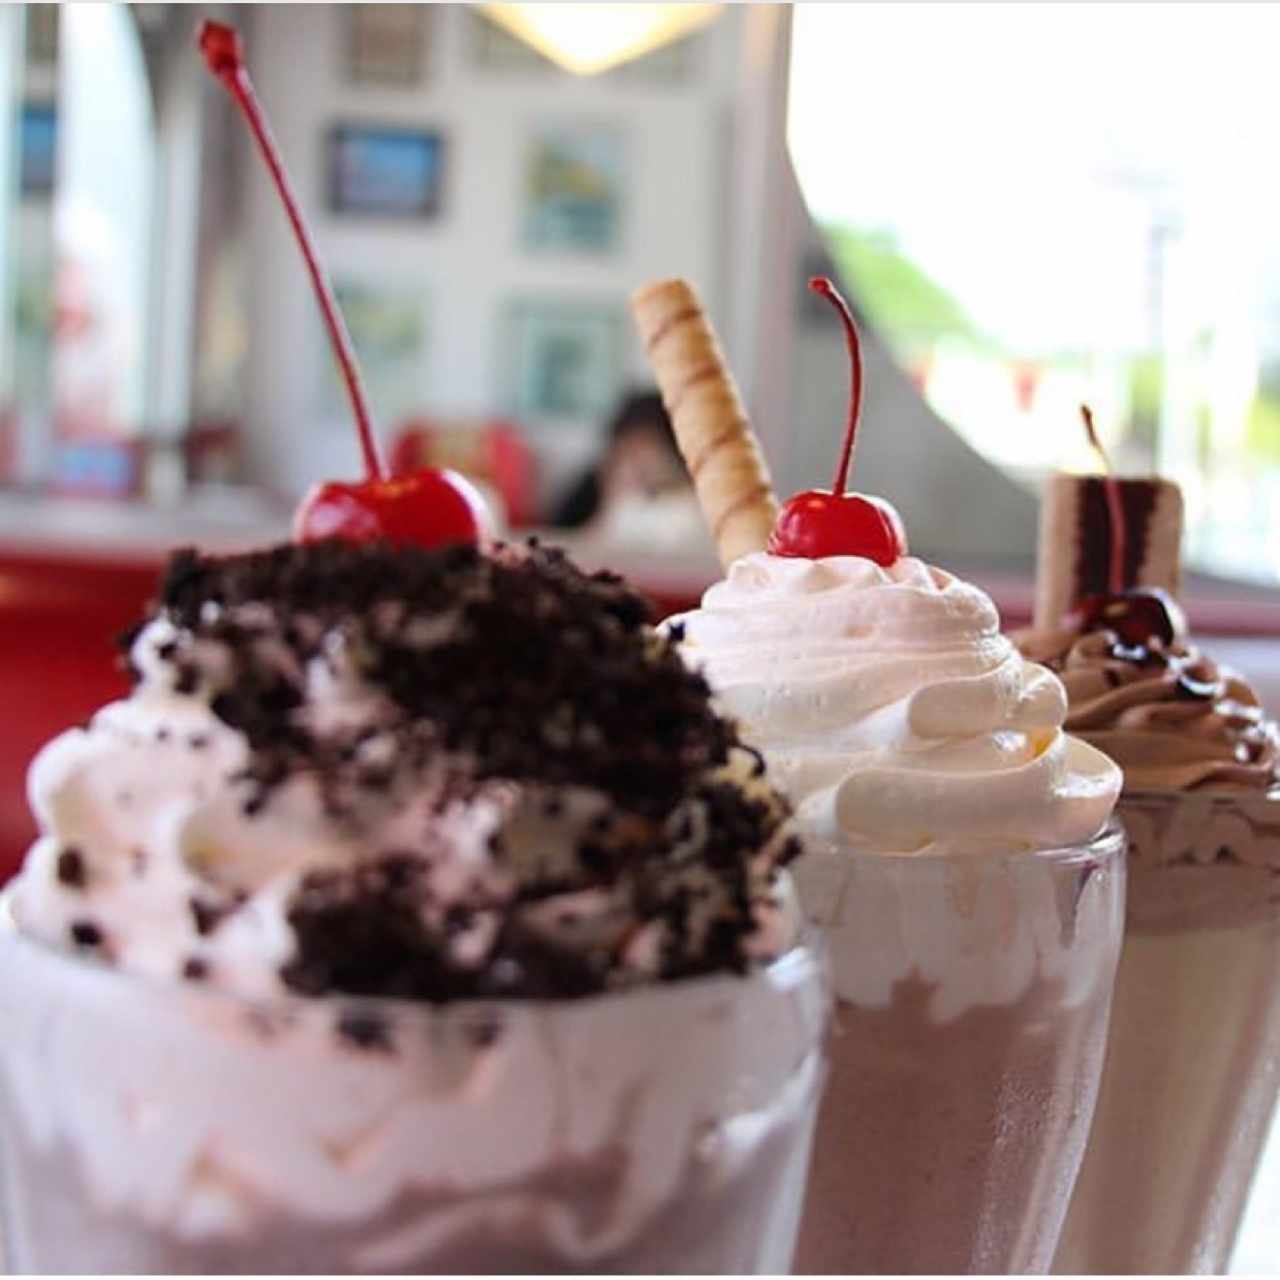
[
  {"x": 729, "y": 472},
  {"x": 1075, "y": 541}
]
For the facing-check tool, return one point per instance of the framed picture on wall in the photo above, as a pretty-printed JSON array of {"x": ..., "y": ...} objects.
[
  {"x": 564, "y": 359},
  {"x": 38, "y": 134},
  {"x": 386, "y": 44},
  {"x": 385, "y": 171},
  {"x": 388, "y": 326},
  {"x": 573, "y": 189}
]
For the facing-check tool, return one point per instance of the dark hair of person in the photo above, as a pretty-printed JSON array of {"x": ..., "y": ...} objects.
[{"x": 636, "y": 411}]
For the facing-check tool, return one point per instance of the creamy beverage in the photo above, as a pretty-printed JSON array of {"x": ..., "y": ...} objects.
[
  {"x": 414, "y": 913},
  {"x": 1190, "y": 1083},
  {"x": 958, "y": 860}
]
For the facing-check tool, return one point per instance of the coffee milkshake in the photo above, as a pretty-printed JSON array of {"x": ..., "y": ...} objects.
[
  {"x": 415, "y": 913},
  {"x": 972, "y": 911},
  {"x": 1190, "y": 1085}
]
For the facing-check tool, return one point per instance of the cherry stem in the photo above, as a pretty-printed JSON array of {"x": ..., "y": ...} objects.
[
  {"x": 820, "y": 284},
  {"x": 224, "y": 56},
  {"x": 1115, "y": 507}
]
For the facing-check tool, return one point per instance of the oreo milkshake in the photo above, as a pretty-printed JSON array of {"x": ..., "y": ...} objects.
[
  {"x": 414, "y": 913},
  {"x": 1190, "y": 1083},
  {"x": 973, "y": 912}
]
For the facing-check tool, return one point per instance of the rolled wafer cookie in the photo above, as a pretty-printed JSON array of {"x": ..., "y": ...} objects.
[
  {"x": 1075, "y": 541},
  {"x": 724, "y": 459}
]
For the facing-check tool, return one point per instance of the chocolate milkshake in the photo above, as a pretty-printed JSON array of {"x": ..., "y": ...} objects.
[
  {"x": 414, "y": 913},
  {"x": 957, "y": 854},
  {"x": 972, "y": 912},
  {"x": 1190, "y": 1083}
]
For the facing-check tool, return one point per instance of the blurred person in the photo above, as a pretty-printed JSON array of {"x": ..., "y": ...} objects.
[{"x": 639, "y": 488}]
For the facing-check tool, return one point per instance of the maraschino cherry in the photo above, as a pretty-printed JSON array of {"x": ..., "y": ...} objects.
[
  {"x": 1145, "y": 620},
  {"x": 820, "y": 523},
  {"x": 427, "y": 508}
]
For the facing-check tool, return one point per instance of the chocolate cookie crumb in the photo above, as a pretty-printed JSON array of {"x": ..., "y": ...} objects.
[
  {"x": 534, "y": 714},
  {"x": 186, "y": 679},
  {"x": 641, "y": 721},
  {"x": 484, "y": 1031},
  {"x": 209, "y": 915},
  {"x": 84, "y": 933},
  {"x": 71, "y": 869},
  {"x": 364, "y": 1029}
]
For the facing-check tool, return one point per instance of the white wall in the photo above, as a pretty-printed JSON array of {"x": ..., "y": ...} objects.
[
  {"x": 470, "y": 260},
  {"x": 679, "y": 219}
]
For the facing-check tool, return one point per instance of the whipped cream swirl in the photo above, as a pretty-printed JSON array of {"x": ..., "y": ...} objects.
[
  {"x": 892, "y": 710},
  {"x": 1170, "y": 716}
]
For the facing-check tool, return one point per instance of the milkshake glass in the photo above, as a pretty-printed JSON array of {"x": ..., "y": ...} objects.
[
  {"x": 1191, "y": 1075},
  {"x": 958, "y": 857},
  {"x": 1193, "y": 1064},
  {"x": 156, "y": 1128},
  {"x": 971, "y": 1019}
]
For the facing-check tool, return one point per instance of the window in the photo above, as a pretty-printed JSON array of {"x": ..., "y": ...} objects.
[{"x": 1049, "y": 204}]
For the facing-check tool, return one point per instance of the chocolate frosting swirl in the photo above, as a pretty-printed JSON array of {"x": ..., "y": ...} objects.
[{"x": 1170, "y": 716}]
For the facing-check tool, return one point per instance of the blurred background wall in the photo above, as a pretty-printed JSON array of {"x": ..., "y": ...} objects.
[{"x": 485, "y": 215}]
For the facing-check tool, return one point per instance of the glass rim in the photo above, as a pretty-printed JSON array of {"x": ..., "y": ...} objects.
[
  {"x": 802, "y": 961},
  {"x": 1107, "y": 845}
]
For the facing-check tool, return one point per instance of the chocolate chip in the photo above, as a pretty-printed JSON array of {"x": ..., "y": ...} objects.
[{"x": 195, "y": 969}]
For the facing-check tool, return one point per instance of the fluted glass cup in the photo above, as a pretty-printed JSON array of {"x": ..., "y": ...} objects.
[
  {"x": 972, "y": 995},
  {"x": 1193, "y": 1063},
  {"x": 162, "y": 1128}
]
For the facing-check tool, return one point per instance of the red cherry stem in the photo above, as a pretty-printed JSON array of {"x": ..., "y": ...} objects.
[
  {"x": 1115, "y": 507},
  {"x": 224, "y": 56},
  {"x": 820, "y": 284}
]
